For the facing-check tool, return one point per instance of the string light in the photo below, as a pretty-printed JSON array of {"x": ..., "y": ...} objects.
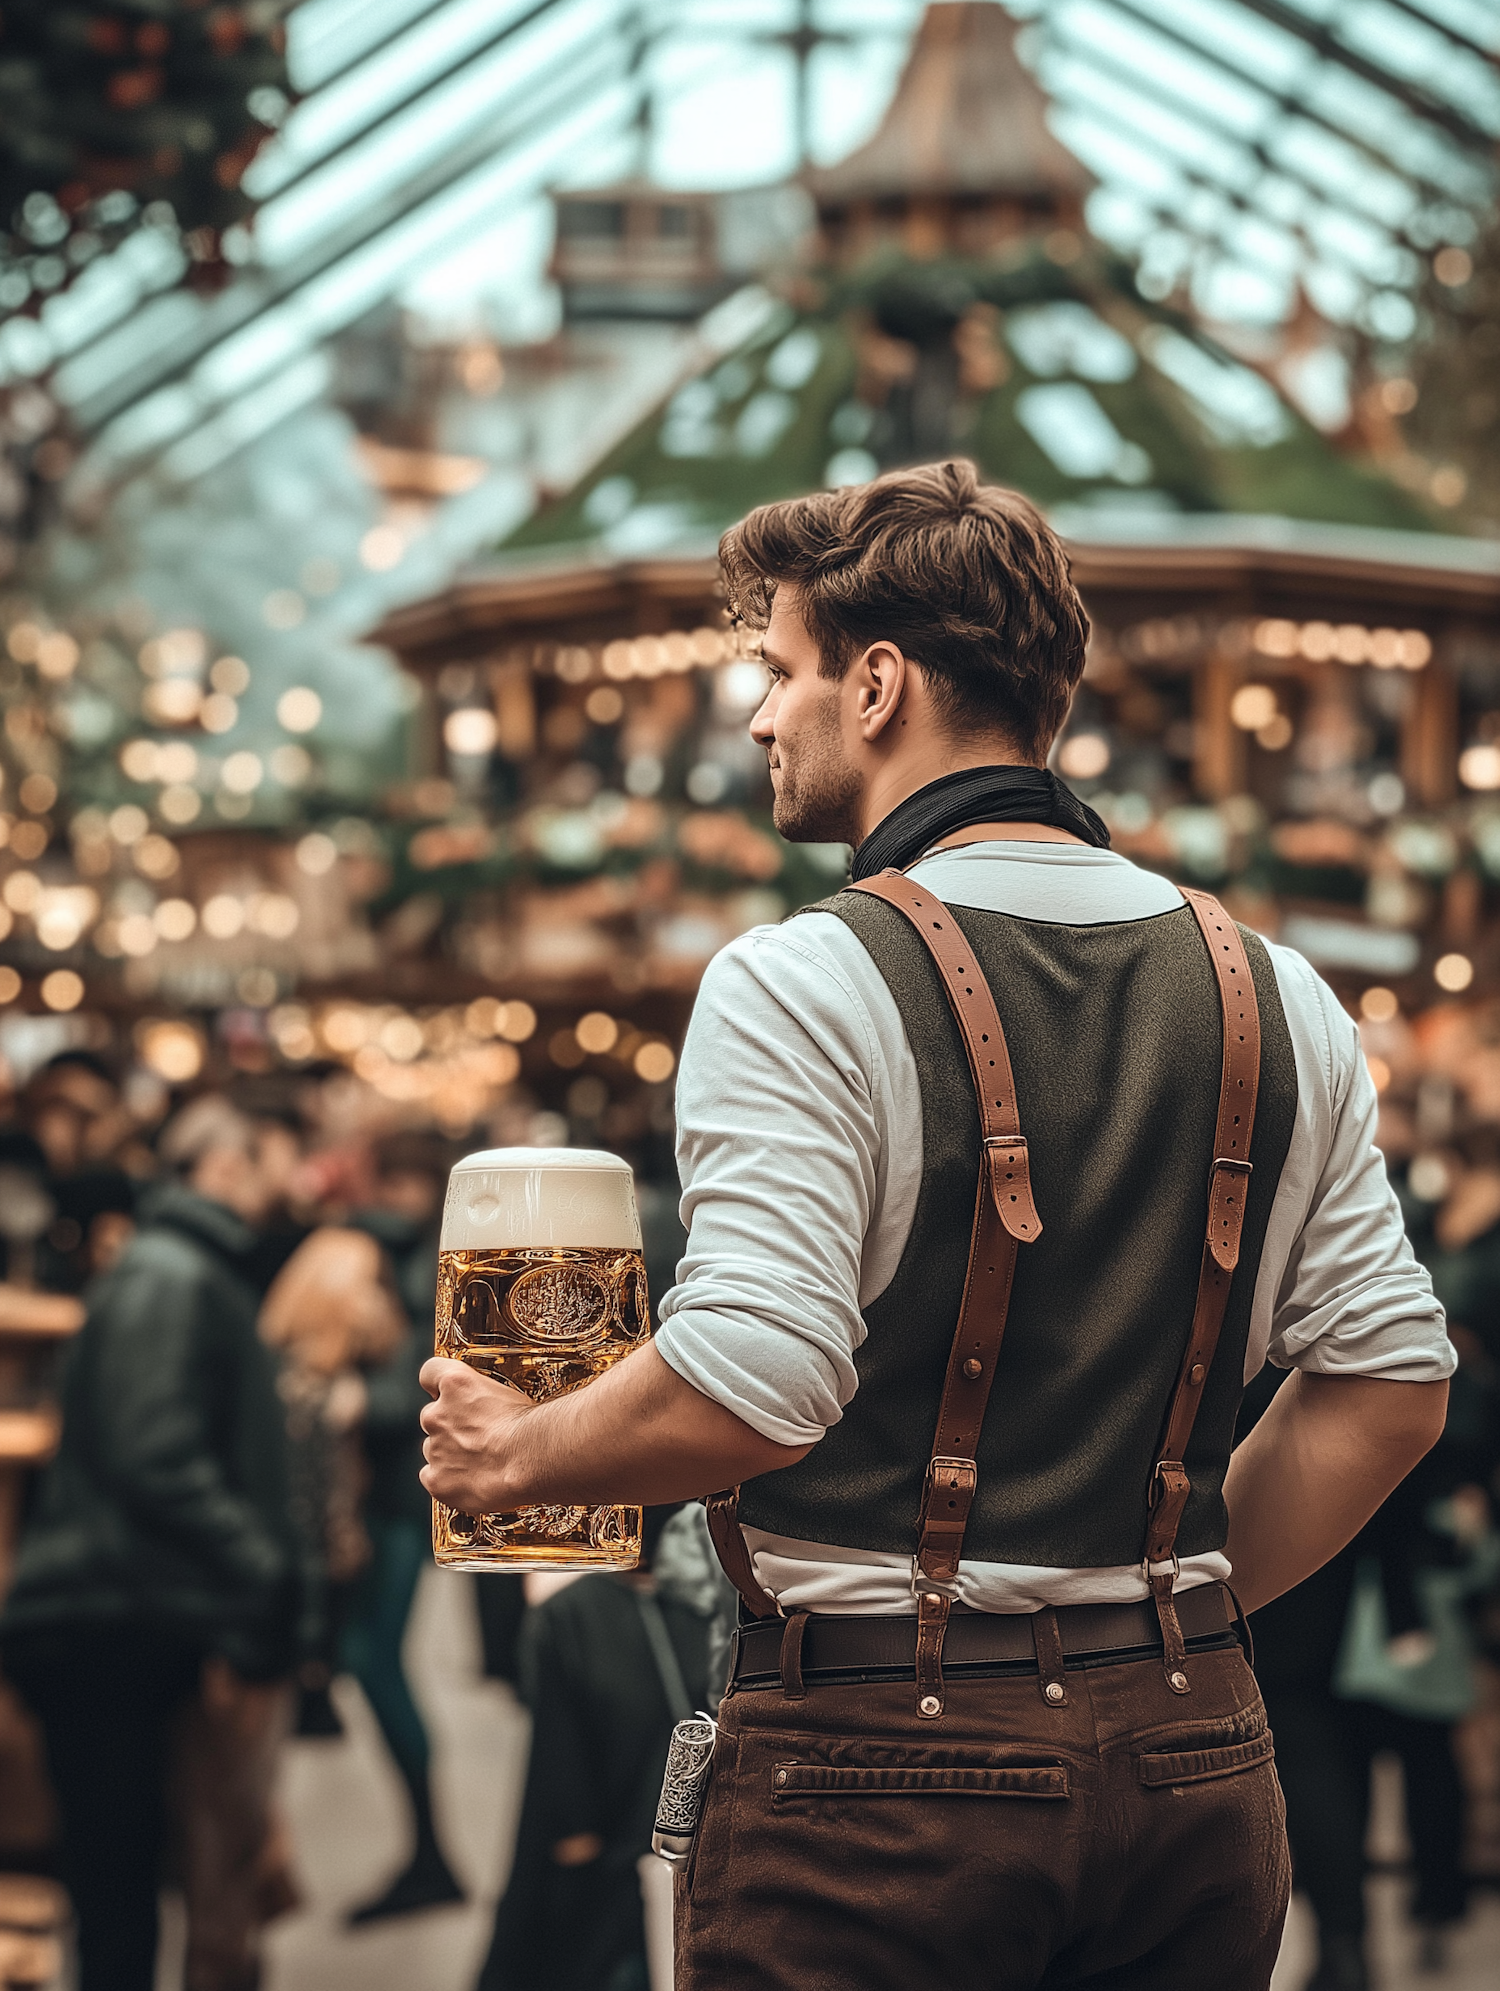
[{"x": 62, "y": 990}]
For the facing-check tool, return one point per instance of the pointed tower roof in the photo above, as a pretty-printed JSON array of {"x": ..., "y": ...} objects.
[{"x": 967, "y": 118}]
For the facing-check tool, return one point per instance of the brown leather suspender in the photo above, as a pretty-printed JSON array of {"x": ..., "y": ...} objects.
[
  {"x": 1229, "y": 1182},
  {"x": 1005, "y": 1217}
]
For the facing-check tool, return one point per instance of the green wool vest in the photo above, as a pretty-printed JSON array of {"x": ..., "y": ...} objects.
[{"x": 1116, "y": 1038}]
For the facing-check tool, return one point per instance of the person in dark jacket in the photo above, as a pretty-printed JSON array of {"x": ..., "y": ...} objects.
[
  {"x": 161, "y": 1538},
  {"x": 410, "y": 1170},
  {"x": 607, "y": 1666}
]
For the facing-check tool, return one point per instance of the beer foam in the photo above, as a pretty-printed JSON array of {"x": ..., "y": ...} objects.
[{"x": 504, "y": 1198}]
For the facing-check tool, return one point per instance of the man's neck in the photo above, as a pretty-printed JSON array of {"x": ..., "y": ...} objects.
[{"x": 902, "y": 777}]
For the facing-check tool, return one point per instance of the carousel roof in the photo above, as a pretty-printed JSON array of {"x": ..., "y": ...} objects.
[{"x": 967, "y": 118}]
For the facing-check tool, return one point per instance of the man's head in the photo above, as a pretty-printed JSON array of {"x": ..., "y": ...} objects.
[
  {"x": 219, "y": 1152},
  {"x": 915, "y": 625},
  {"x": 411, "y": 1173}
]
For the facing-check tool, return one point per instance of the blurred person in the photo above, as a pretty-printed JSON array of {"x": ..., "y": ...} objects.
[
  {"x": 1374, "y": 1654},
  {"x": 607, "y": 1665},
  {"x": 160, "y": 1544},
  {"x": 67, "y": 1205},
  {"x": 410, "y": 1173}
]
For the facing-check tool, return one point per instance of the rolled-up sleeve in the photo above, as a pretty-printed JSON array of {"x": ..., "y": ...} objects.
[
  {"x": 1353, "y": 1300},
  {"x": 779, "y": 1151}
]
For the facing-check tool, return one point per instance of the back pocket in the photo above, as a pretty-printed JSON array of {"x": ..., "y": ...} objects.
[
  {"x": 800, "y": 1780},
  {"x": 1198, "y": 1765}
]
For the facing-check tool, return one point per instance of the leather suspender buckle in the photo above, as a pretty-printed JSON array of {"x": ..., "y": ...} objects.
[
  {"x": 1170, "y": 1487},
  {"x": 946, "y": 1499},
  {"x": 1226, "y": 1209},
  {"x": 1009, "y": 1163}
]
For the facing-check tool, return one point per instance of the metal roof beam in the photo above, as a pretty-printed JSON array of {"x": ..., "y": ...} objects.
[
  {"x": 1140, "y": 10},
  {"x": 1417, "y": 99},
  {"x": 260, "y": 290},
  {"x": 1195, "y": 177},
  {"x": 531, "y": 117},
  {"x": 404, "y": 101},
  {"x": 1172, "y": 100},
  {"x": 1446, "y": 30}
]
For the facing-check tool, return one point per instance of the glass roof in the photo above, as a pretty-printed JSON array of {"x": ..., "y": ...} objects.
[{"x": 1250, "y": 151}]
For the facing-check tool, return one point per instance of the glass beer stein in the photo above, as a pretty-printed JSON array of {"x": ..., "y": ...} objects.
[{"x": 541, "y": 1284}]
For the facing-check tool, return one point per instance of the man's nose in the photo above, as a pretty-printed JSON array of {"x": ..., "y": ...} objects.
[{"x": 763, "y": 723}]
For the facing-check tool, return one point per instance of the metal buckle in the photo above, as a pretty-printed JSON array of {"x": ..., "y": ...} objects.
[
  {"x": 965, "y": 1472},
  {"x": 1146, "y": 1569},
  {"x": 1235, "y": 1167}
]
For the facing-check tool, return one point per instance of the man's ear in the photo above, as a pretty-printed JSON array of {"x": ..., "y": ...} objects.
[{"x": 881, "y": 686}]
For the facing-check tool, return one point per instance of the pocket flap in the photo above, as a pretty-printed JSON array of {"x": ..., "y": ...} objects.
[
  {"x": 1196, "y": 1766},
  {"x": 892, "y": 1780}
]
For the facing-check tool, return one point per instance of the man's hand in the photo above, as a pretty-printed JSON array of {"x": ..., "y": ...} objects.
[
  {"x": 635, "y": 1436},
  {"x": 471, "y": 1426}
]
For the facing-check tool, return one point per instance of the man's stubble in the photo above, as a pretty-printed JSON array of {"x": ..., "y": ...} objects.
[{"x": 818, "y": 799}]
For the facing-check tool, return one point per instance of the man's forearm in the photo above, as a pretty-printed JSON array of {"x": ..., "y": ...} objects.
[
  {"x": 1325, "y": 1455},
  {"x": 638, "y": 1433}
]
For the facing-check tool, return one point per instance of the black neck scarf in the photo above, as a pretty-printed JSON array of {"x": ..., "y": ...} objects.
[{"x": 975, "y": 795}]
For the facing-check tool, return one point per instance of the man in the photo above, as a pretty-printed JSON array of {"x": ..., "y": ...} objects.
[
  {"x": 1000, "y": 1732},
  {"x": 160, "y": 1552}
]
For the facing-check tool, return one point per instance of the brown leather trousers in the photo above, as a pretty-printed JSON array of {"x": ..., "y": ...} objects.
[{"x": 1129, "y": 1839}]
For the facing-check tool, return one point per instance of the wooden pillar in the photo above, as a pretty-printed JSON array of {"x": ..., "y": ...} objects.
[
  {"x": 1219, "y": 759},
  {"x": 1429, "y": 736}
]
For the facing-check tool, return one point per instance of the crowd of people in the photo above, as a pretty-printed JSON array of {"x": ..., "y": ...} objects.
[{"x": 233, "y": 1517}]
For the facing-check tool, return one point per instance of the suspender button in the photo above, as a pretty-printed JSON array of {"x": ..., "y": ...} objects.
[{"x": 973, "y": 1367}]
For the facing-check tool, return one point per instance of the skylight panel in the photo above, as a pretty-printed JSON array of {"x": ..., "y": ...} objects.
[
  {"x": 1068, "y": 423},
  {"x": 1254, "y": 46},
  {"x": 1424, "y": 55},
  {"x": 1350, "y": 240},
  {"x": 1067, "y": 337},
  {"x": 1342, "y": 170},
  {"x": 1236, "y": 405},
  {"x": 1115, "y": 155},
  {"x": 403, "y": 145},
  {"x": 153, "y": 329},
  {"x": 333, "y": 116},
  {"x": 1412, "y": 143},
  {"x": 1178, "y": 134},
  {"x": 1479, "y": 20},
  {"x": 325, "y": 36},
  {"x": 1089, "y": 27},
  {"x": 1257, "y": 239},
  {"x": 251, "y": 416},
  {"x": 280, "y": 336}
]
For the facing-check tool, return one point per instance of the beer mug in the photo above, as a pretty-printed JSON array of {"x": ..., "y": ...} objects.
[{"x": 541, "y": 1284}]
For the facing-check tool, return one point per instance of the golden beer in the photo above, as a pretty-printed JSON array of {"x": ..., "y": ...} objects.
[{"x": 541, "y": 1284}]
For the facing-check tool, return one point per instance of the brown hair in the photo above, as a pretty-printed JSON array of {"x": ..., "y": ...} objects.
[{"x": 968, "y": 579}]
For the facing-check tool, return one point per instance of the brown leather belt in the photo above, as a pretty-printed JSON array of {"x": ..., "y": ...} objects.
[{"x": 854, "y": 1649}]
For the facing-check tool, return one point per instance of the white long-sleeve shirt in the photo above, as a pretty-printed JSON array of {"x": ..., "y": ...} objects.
[{"x": 800, "y": 1149}]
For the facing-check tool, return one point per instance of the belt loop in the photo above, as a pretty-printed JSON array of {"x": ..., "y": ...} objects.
[
  {"x": 1173, "y": 1650},
  {"x": 932, "y": 1623},
  {"x": 1242, "y": 1626},
  {"x": 1047, "y": 1641},
  {"x": 791, "y": 1656}
]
